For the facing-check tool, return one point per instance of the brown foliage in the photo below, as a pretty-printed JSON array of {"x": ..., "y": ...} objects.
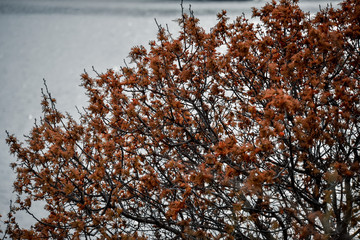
[{"x": 243, "y": 132}]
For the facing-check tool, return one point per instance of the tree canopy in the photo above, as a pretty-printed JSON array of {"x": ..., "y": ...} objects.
[{"x": 248, "y": 131}]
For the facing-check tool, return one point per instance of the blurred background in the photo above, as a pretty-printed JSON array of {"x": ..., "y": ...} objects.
[{"x": 57, "y": 40}]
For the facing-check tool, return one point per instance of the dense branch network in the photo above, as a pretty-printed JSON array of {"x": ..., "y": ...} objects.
[{"x": 244, "y": 132}]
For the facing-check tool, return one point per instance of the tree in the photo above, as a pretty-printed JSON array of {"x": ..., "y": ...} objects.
[{"x": 244, "y": 132}]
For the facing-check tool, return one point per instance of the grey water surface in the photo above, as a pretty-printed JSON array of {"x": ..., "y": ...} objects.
[{"x": 57, "y": 39}]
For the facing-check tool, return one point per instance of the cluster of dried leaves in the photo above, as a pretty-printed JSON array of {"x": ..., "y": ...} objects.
[{"x": 244, "y": 132}]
